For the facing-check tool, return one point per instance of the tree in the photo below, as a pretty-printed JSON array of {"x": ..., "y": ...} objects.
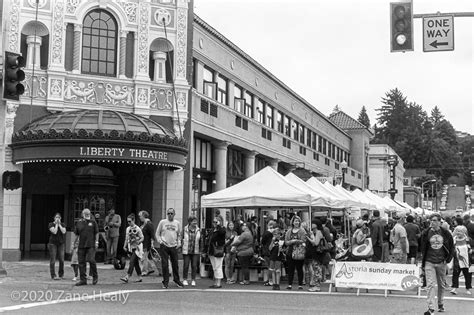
[
  {"x": 436, "y": 115},
  {"x": 363, "y": 117}
]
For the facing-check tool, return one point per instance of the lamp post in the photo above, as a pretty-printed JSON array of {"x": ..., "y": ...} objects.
[
  {"x": 425, "y": 182},
  {"x": 344, "y": 171}
]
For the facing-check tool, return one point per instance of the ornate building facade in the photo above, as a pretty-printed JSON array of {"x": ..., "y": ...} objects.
[{"x": 101, "y": 123}]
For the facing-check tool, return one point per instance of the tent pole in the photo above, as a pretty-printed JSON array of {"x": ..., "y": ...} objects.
[{"x": 310, "y": 216}]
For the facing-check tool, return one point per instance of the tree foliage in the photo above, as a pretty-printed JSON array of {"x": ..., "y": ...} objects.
[
  {"x": 363, "y": 117},
  {"x": 422, "y": 141}
]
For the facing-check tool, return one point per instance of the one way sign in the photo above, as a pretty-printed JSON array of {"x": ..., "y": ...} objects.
[{"x": 438, "y": 33}]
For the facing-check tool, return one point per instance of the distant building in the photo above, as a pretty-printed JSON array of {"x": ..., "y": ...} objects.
[{"x": 379, "y": 171}]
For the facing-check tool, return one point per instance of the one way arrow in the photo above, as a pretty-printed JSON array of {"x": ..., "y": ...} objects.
[{"x": 435, "y": 44}]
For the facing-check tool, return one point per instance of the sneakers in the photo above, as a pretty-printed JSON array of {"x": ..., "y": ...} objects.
[
  {"x": 74, "y": 279},
  {"x": 55, "y": 278},
  {"x": 193, "y": 283},
  {"x": 468, "y": 292},
  {"x": 230, "y": 281},
  {"x": 179, "y": 284},
  {"x": 453, "y": 291},
  {"x": 124, "y": 279},
  {"x": 267, "y": 284},
  {"x": 139, "y": 280},
  {"x": 244, "y": 282},
  {"x": 300, "y": 287},
  {"x": 440, "y": 308},
  {"x": 289, "y": 287},
  {"x": 276, "y": 287},
  {"x": 429, "y": 312},
  {"x": 185, "y": 282},
  {"x": 164, "y": 285},
  {"x": 314, "y": 289}
]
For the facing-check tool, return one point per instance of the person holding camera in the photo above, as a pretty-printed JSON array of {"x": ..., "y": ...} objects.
[
  {"x": 215, "y": 250},
  {"x": 112, "y": 225},
  {"x": 57, "y": 231},
  {"x": 133, "y": 245}
]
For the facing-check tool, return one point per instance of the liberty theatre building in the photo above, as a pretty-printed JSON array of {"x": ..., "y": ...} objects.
[{"x": 101, "y": 123}]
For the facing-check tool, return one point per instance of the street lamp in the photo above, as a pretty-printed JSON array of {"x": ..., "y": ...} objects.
[
  {"x": 425, "y": 182},
  {"x": 344, "y": 171}
]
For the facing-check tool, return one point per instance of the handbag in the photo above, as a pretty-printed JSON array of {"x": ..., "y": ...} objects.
[
  {"x": 218, "y": 251},
  {"x": 299, "y": 252},
  {"x": 363, "y": 250},
  {"x": 323, "y": 246}
]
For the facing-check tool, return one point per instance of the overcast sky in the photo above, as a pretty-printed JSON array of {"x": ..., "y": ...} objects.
[{"x": 338, "y": 52}]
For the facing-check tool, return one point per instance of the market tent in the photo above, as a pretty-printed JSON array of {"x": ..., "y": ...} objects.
[
  {"x": 374, "y": 205},
  {"x": 385, "y": 205},
  {"x": 335, "y": 200},
  {"x": 320, "y": 199},
  {"x": 355, "y": 202},
  {"x": 399, "y": 207},
  {"x": 267, "y": 188}
]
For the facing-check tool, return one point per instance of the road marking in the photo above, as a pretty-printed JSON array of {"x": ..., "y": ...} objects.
[{"x": 106, "y": 294}]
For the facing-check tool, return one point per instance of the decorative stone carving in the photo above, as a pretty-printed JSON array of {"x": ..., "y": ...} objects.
[
  {"x": 14, "y": 30},
  {"x": 10, "y": 121},
  {"x": 181, "y": 99},
  {"x": 41, "y": 3},
  {"x": 161, "y": 98},
  {"x": 161, "y": 14},
  {"x": 130, "y": 9},
  {"x": 143, "y": 29},
  {"x": 142, "y": 96},
  {"x": 55, "y": 87},
  {"x": 181, "y": 43},
  {"x": 39, "y": 89},
  {"x": 99, "y": 93},
  {"x": 57, "y": 33},
  {"x": 71, "y": 6}
]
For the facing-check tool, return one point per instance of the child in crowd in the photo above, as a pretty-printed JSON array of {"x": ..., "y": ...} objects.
[
  {"x": 461, "y": 258},
  {"x": 74, "y": 259},
  {"x": 276, "y": 257}
]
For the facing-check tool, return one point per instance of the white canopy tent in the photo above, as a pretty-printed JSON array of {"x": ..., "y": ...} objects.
[
  {"x": 320, "y": 199},
  {"x": 267, "y": 188},
  {"x": 374, "y": 205},
  {"x": 335, "y": 200},
  {"x": 355, "y": 202}
]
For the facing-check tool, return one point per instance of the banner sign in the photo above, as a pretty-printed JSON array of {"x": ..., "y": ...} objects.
[{"x": 372, "y": 275}]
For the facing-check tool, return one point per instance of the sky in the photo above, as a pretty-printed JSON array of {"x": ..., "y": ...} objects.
[{"x": 337, "y": 52}]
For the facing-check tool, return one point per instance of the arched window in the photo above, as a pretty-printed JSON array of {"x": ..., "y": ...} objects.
[{"x": 99, "y": 44}]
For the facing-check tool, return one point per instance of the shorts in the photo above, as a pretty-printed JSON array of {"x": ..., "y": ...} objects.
[
  {"x": 267, "y": 261},
  {"x": 413, "y": 251},
  {"x": 274, "y": 265}
]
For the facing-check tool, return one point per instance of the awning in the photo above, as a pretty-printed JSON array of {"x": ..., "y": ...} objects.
[{"x": 100, "y": 136}]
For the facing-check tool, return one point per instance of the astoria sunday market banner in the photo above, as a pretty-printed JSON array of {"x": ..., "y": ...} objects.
[{"x": 371, "y": 275}]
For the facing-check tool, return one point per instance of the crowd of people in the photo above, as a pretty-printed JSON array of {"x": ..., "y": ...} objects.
[{"x": 286, "y": 243}]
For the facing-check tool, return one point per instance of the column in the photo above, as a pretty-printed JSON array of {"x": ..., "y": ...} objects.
[
  {"x": 123, "y": 52},
  {"x": 274, "y": 164},
  {"x": 220, "y": 158},
  {"x": 76, "y": 54},
  {"x": 160, "y": 67},
  {"x": 249, "y": 163},
  {"x": 33, "y": 54}
]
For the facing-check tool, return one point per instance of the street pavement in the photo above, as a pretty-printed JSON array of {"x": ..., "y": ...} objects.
[{"x": 28, "y": 289}]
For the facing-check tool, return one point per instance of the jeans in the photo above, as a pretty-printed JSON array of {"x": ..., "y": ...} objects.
[
  {"x": 465, "y": 271},
  {"x": 292, "y": 265},
  {"x": 245, "y": 266},
  {"x": 111, "y": 253},
  {"x": 229, "y": 261},
  {"x": 87, "y": 255},
  {"x": 377, "y": 253},
  {"x": 134, "y": 263},
  {"x": 148, "y": 263},
  {"x": 192, "y": 259},
  {"x": 170, "y": 253},
  {"x": 435, "y": 275},
  {"x": 56, "y": 252}
]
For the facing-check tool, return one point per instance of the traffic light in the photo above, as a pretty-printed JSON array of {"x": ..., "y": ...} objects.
[
  {"x": 11, "y": 180},
  {"x": 401, "y": 26},
  {"x": 13, "y": 75}
]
